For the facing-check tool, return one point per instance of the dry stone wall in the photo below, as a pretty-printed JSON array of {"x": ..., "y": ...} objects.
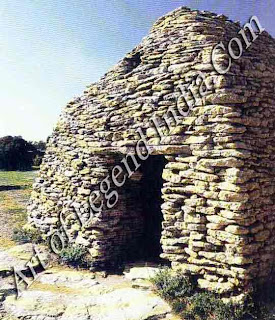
[{"x": 219, "y": 184}]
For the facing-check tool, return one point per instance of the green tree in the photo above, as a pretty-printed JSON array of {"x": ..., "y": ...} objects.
[{"x": 16, "y": 153}]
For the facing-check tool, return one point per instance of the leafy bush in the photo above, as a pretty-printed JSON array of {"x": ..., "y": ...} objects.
[
  {"x": 172, "y": 286},
  {"x": 19, "y": 235},
  {"x": 24, "y": 235},
  {"x": 192, "y": 303},
  {"x": 206, "y": 305},
  {"x": 74, "y": 255}
]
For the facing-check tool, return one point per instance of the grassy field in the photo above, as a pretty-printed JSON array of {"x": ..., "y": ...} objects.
[
  {"x": 17, "y": 178},
  {"x": 13, "y": 213}
]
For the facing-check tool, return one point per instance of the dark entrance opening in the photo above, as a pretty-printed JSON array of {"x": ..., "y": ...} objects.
[
  {"x": 150, "y": 201},
  {"x": 141, "y": 222}
]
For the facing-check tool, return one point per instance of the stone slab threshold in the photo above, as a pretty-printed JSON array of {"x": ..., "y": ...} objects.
[{"x": 62, "y": 293}]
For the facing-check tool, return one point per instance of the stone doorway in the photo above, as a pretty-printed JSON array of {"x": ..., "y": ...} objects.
[{"x": 146, "y": 193}]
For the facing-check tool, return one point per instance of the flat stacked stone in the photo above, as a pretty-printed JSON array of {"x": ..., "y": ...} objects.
[{"x": 219, "y": 178}]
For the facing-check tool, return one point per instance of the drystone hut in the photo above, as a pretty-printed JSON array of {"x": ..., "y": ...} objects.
[{"x": 202, "y": 193}]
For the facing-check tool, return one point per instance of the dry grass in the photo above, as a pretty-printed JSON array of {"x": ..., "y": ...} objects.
[{"x": 13, "y": 203}]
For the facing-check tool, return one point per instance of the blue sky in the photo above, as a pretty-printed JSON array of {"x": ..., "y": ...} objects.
[{"x": 50, "y": 50}]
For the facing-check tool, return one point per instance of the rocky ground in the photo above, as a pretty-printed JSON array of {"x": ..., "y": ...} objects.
[
  {"x": 60, "y": 292},
  {"x": 67, "y": 294}
]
